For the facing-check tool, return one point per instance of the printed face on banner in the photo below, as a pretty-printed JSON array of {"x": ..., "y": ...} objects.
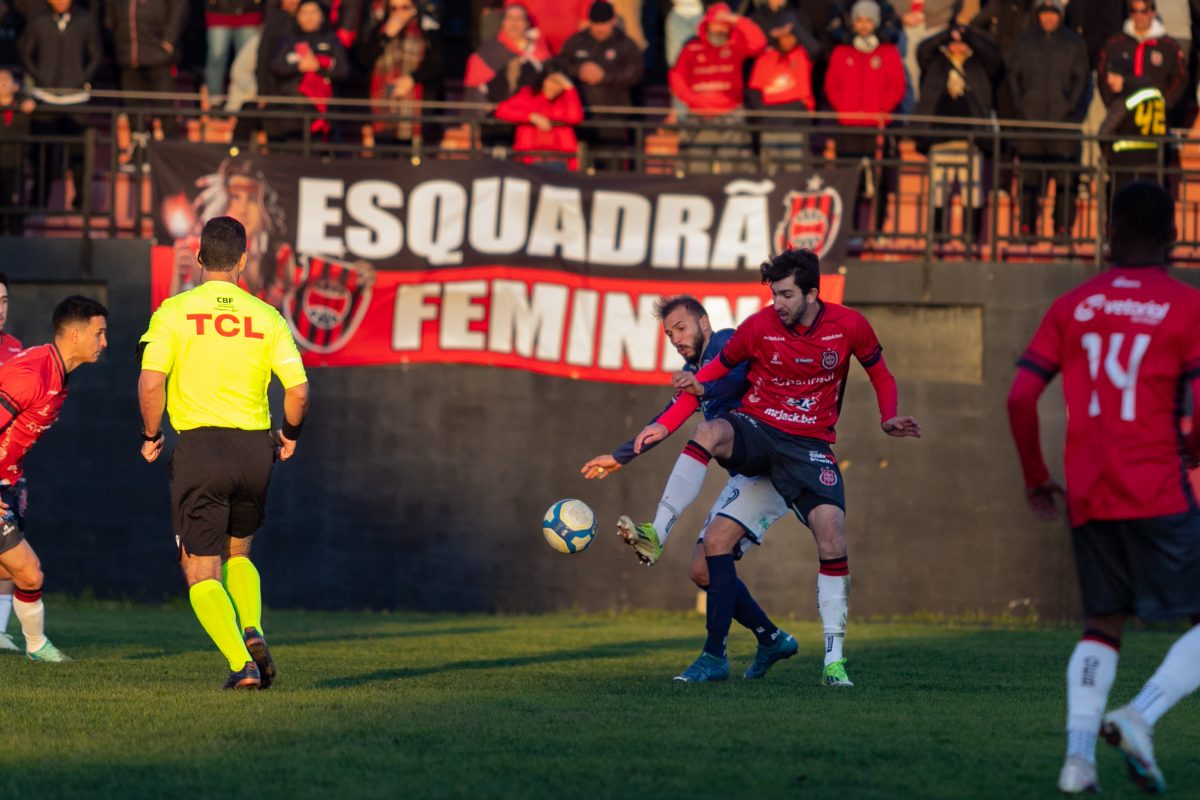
[{"x": 490, "y": 262}]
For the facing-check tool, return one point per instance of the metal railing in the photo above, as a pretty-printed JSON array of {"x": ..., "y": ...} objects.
[{"x": 929, "y": 188}]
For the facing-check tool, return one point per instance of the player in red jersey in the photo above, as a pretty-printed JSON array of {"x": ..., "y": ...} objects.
[
  {"x": 9, "y": 347},
  {"x": 1127, "y": 345},
  {"x": 33, "y": 387},
  {"x": 799, "y": 352}
]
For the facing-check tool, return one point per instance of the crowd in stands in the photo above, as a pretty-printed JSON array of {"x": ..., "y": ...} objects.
[{"x": 1124, "y": 68}]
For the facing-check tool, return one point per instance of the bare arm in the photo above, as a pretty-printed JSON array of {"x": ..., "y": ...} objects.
[
  {"x": 295, "y": 407},
  {"x": 152, "y": 399}
]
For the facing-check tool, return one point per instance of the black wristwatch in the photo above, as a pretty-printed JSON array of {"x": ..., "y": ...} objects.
[{"x": 153, "y": 438}]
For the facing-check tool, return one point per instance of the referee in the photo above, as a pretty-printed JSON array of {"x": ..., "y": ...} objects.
[{"x": 207, "y": 358}]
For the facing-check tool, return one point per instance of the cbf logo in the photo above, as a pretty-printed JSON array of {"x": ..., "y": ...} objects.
[
  {"x": 811, "y": 219},
  {"x": 328, "y": 302}
]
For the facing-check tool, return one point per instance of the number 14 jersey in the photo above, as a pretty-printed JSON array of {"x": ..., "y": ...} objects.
[{"x": 1127, "y": 343}]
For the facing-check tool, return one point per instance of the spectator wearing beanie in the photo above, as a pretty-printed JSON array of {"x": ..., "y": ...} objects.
[
  {"x": 1048, "y": 79},
  {"x": 768, "y": 14},
  {"x": 840, "y": 27},
  {"x": 865, "y": 84},
  {"x": 707, "y": 79},
  {"x": 781, "y": 80},
  {"x": 310, "y": 63},
  {"x": 547, "y": 115},
  {"x": 605, "y": 64}
]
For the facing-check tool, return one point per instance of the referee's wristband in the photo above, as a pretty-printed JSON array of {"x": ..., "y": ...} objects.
[
  {"x": 153, "y": 438},
  {"x": 291, "y": 431}
]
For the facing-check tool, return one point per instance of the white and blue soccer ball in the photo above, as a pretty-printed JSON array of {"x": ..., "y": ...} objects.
[{"x": 569, "y": 526}]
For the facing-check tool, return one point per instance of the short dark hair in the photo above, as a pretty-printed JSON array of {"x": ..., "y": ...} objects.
[
  {"x": 222, "y": 243},
  {"x": 1142, "y": 218},
  {"x": 803, "y": 265},
  {"x": 664, "y": 307},
  {"x": 77, "y": 308}
]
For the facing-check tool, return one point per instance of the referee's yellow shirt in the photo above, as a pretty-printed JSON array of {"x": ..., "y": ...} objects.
[{"x": 218, "y": 345}]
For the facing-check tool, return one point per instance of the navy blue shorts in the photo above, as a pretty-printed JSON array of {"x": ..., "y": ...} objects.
[
  {"x": 12, "y": 524},
  {"x": 1146, "y": 567},
  {"x": 804, "y": 471}
]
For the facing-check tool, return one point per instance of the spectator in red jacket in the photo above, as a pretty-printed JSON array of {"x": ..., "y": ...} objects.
[
  {"x": 547, "y": 115},
  {"x": 782, "y": 81},
  {"x": 865, "y": 84},
  {"x": 707, "y": 78}
]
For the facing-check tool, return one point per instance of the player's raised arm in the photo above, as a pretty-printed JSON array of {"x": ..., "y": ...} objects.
[{"x": 684, "y": 406}]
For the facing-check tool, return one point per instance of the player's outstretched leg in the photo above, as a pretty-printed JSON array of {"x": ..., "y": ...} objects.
[
  {"x": 833, "y": 605},
  {"x": 643, "y": 538},
  {"x": 6, "y": 604},
  {"x": 1132, "y": 728},
  {"x": 242, "y": 583},
  {"x": 1090, "y": 675},
  {"x": 215, "y": 611},
  {"x": 683, "y": 487}
]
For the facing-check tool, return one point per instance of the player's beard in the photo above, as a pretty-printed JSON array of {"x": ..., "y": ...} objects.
[{"x": 697, "y": 347}]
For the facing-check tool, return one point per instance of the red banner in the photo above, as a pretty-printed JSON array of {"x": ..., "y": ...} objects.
[{"x": 548, "y": 321}]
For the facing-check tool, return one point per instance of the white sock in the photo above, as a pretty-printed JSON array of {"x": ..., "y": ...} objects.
[
  {"x": 1090, "y": 675},
  {"x": 6, "y": 602},
  {"x": 1176, "y": 678},
  {"x": 33, "y": 622},
  {"x": 833, "y": 603},
  {"x": 683, "y": 487}
]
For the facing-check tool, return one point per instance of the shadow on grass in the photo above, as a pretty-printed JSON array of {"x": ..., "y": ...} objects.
[
  {"x": 183, "y": 647},
  {"x": 614, "y": 650}
]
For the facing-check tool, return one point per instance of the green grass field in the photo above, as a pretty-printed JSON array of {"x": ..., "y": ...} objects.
[{"x": 579, "y": 706}]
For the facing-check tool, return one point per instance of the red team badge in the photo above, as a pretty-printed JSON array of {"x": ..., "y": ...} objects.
[
  {"x": 811, "y": 220},
  {"x": 829, "y": 359},
  {"x": 828, "y": 477},
  {"x": 329, "y": 302}
]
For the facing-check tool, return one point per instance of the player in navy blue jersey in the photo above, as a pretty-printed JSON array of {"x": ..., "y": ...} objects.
[{"x": 746, "y": 507}]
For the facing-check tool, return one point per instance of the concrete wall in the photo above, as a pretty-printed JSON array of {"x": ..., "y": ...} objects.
[{"x": 424, "y": 487}]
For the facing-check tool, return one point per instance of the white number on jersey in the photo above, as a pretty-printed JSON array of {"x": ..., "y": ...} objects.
[{"x": 1123, "y": 378}]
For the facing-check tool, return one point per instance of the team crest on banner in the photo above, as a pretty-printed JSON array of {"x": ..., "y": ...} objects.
[
  {"x": 811, "y": 220},
  {"x": 328, "y": 301}
]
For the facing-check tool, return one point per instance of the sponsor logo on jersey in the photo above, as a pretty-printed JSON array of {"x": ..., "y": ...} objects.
[
  {"x": 1121, "y": 282},
  {"x": 786, "y": 416},
  {"x": 775, "y": 358},
  {"x": 774, "y": 339},
  {"x": 804, "y": 360},
  {"x": 829, "y": 359},
  {"x": 811, "y": 219},
  {"x": 816, "y": 456},
  {"x": 831, "y": 337},
  {"x": 802, "y": 403},
  {"x": 1146, "y": 311},
  {"x": 829, "y": 477}
]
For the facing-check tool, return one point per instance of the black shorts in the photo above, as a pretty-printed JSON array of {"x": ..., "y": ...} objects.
[
  {"x": 12, "y": 524},
  {"x": 804, "y": 471},
  {"x": 1148, "y": 567},
  {"x": 219, "y": 479}
]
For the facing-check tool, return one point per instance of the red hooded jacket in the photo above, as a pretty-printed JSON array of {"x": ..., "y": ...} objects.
[
  {"x": 865, "y": 82},
  {"x": 708, "y": 78},
  {"x": 783, "y": 79},
  {"x": 565, "y": 111}
]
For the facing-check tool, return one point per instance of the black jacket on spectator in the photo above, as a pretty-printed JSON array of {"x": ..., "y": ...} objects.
[
  {"x": 432, "y": 69},
  {"x": 1004, "y": 21},
  {"x": 322, "y": 43},
  {"x": 1048, "y": 77},
  {"x": 233, "y": 6},
  {"x": 767, "y": 19},
  {"x": 145, "y": 25},
  {"x": 617, "y": 55},
  {"x": 1158, "y": 61},
  {"x": 1096, "y": 21},
  {"x": 14, "y": 127},
  {"x": 277, "y": 26},
  {"x": 979, "y": 72},
  {"x": 61, "y": 57}
]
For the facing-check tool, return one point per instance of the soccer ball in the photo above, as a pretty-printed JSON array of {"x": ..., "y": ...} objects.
[{"x": 569, "y": 526}]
